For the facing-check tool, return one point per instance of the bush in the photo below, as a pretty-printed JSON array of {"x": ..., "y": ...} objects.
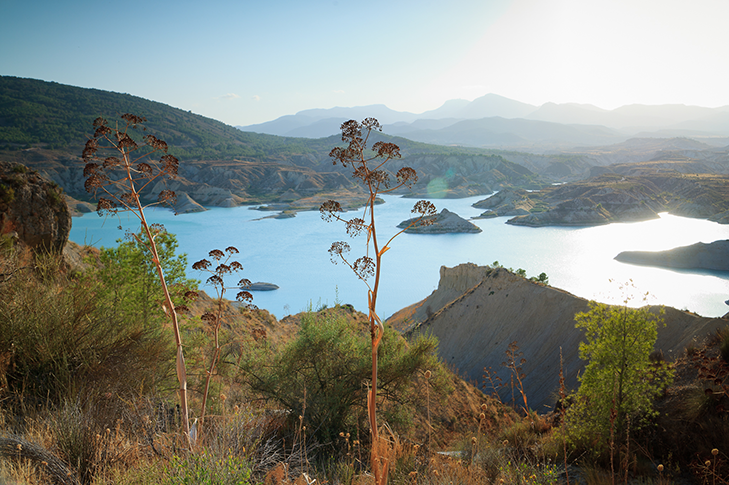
[
  {"x": 129, "y": 280},
  {"x": 323, "y": 375},
  {"x": 60, "y": 337}
]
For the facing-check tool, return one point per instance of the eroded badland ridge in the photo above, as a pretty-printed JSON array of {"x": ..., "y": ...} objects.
[{"x": 477, "y": 311}]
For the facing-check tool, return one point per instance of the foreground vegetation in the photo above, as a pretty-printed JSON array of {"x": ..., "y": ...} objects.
[
  {"x": 94, "y": 387},
  {"x": 88, "y": 397}
]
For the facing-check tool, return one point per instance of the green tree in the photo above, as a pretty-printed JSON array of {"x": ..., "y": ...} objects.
[
  {"x": 620, "y": 382},
  {"x": 130, "y": 281},
  {"x": 320, "y": 374}
]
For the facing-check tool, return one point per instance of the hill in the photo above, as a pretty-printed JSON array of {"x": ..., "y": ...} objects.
[
  {"x": 476, "y": 312},
  {"x": 623, "y": 193},
  {"x": 713, "y": 257},
  {"x": 45, "y": 125}
]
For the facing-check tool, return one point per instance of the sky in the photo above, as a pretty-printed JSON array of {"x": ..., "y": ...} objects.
[{"x": 244, "y": 62}]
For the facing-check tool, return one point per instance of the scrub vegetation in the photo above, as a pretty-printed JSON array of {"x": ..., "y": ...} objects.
[{"x": 90, "y": 367}]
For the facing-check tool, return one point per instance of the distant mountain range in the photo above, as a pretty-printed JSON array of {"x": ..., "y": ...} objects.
[{"x": 496, "y": 121}]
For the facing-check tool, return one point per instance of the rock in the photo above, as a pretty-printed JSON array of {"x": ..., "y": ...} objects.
[
  {"x": 261, "y": 286},
  {"x": 476, "y": 312},
  {"x": 78, "y": 208},
  {"x": 33, "y": 207},
  {"x": 77, "y": 256},
  {"x": 185, "y": 204},
  {"x": 444, "y": 223},
  {"x": 713, "y": 256},
  {"x": 287, "y": 214},
  {"x": 508, "y": 202}
]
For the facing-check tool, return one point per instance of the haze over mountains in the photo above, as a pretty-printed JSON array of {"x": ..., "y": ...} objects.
[{"x": 496, "y": 121}]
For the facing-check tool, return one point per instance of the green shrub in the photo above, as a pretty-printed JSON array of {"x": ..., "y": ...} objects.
[
  {"x": 61, "y": 336},
  {"x": 129, "y": 281},
  {"x": 7, "y": 194},
  {"x": 323, "y": 375}
]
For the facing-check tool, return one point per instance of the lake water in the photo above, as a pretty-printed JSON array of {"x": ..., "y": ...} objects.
[{"x": 293, "y": 253}]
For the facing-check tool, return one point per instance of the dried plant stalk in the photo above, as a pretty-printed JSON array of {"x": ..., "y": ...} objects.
[
  {"x": 120, "y": 168},
  {"x": 367, "y": 168}
]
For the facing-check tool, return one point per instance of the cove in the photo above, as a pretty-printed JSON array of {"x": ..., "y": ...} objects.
[{"x": 293, "y": 254}]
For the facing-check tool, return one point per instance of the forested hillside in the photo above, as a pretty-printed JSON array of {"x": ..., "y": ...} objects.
[{"x": 44, "y": 125}]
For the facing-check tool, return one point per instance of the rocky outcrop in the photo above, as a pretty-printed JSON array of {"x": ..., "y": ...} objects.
[
  {"x": 33, "y": 207},
  {"x": 713, "y": 256},
  {"x": 475, "y": 328},
  {"x": 444, "y": 223},
  {"x": 508, "y": 202},
  {"x": 186, "y": 204},
  {"x": 614, "y": 197}
]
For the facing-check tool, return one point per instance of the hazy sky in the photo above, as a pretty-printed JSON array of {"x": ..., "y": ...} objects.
[{"x": 245, "y": 62}]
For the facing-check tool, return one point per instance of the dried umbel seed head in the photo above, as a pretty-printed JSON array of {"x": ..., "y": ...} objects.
[
  {"x": 364, "y": 267},
  {"x": 474, "y": 440},
  {"x": 427, "y": 374},
  {"x": 484, "y": 407},
  {"x": 715, "y": 452},
  {"x": 707, "y": 463},
  {"x": 482, "y": 416},
  {"x": 660, "y": 468},
  {"x": 203, "y": 264},
  {"x": 390, "y": 150}
]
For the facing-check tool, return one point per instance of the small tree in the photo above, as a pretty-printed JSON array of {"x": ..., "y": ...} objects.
[
  {"x": 367, "y": 167},
  {"x": 620, "y": 382},
  {"x": 129, "y": 278}
]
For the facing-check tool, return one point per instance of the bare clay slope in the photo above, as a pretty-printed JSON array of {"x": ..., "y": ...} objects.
[{"x": 475, "y": 328}]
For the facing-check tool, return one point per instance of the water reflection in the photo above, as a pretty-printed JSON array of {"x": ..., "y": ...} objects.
[{"x": 292, "y": 253}]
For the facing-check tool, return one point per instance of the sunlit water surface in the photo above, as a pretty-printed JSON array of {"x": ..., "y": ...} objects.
[{"x": 292, "y": 253}]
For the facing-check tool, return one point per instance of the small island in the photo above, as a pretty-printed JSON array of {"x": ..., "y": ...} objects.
[
  {"x": 444, "y": 223},
  {"x": 261, "y": 286}
]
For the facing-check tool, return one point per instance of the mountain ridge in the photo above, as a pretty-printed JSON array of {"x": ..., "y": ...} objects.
[{"x": 628, "y": 120}]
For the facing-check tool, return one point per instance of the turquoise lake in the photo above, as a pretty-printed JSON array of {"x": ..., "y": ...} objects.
[{"x": 293, "y": 254}]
